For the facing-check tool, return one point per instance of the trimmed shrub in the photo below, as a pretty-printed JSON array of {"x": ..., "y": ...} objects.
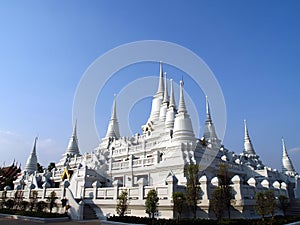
[
  {"x": 41, "y": 206},
  {"x": 279, "y": 220}
]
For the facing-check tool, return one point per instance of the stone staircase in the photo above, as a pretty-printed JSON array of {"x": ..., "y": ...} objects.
[
  {"x": 89, "y": 213},
  {"x": 294, "y": 208},
  {"x": 98, "y": 212}
]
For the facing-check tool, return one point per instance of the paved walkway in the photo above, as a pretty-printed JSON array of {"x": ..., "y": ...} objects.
[{"x": 8, "y": 221}]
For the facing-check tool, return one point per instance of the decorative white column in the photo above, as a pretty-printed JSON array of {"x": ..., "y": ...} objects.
[
  {"x": 265, "y": 183},
  {"x": 203, "y": 186},
  {"x": 215, "y": 181},
  {"x": 236, "y": 180}
]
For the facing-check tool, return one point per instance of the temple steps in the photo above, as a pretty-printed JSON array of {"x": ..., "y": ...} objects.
[
  {"x": 89, "y": 213},
  {"x": 294, "y": 208}
]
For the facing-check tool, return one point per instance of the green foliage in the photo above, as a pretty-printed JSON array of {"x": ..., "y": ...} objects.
[
  {"x": 122, "y": 204},
  {"x": 32, "y": 214},
  {"x": 151, "y": 203},
  {"x": 260, "y": 204},
  {"x": 18, "y": 198},
  {"x": 265, "y": 203},
  {"x": 222, "y": 195},
  {"x": 144, "y": 220},
  {"x": 271, "y": 202},
  {"x": 192, "y": 186},
  {"x": 178, "y": 203},
  {"x": 24, "y": 205},
  {"x": 9, "y": 204},
  {"x": 223, "y": 174},
  {"x": 3, "y": 199},
  {"x": 51, "y": 200},
  {"x": 17, "y": 206},
  {"x": 217, "y": 202},
  {"x": 33, "y": 199},
  {"x": 283, "y": 203},
  {"x": 41, "y": 206}
]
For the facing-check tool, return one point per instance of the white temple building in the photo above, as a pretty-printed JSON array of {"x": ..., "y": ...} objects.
[{"x": 156, "y": 159}]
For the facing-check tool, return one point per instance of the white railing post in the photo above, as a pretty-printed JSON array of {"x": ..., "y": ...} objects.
[
  {"x": 116, "y": 189},
  {"x": 44, "y": 193},
  {"x": 171, "y": 182},
  {"x": 141, "y": 182},
  {"x": 80, "y": 210},
  {"x": 96, "y": 185}
]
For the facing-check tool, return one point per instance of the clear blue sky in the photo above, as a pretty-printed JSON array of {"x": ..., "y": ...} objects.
[{"x": 251, "y": 46}]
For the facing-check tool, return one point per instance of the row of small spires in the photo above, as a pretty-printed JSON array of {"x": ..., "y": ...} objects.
[
  {"x": 73, "y": 149},
  {"x": 163, "y": 98},
  {"x": 209, "y": 129}
]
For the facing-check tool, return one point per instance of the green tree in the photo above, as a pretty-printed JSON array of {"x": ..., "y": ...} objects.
[
  {"x": 3, "y": 198},
  {"x": 51, "y": 200},
  {"x": 265, "y": 203},
  {"x": 122, "y": 204},
  {"x": 51, "y": 166},
  {"x": 283, "y": 203},
  {"x": 192, "y": 186},
  {"x": 216, "y": 202},
  {"x": 178, "y": 203},
  {"x": 260, "y": 205},
  {"x": 41, "y": 206},
  {"x": 151, "y": 203},
  {"x": 24, "y": 205},
  {"x": 270, "y": 196},
  {"x": 18, "y": 198},
  {"x": 9, "y": 204},
  {"x": 224, "y": 179},
  {"x": 222, "y": 195},
  {"x": 33, "y": 199}
]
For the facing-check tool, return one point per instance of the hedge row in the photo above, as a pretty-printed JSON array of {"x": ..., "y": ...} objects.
[
  {"x": 31, "y": 213},
  {"x": 279, "y": 220}
]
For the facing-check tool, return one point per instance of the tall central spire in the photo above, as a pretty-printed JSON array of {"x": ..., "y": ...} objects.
[
  {"x": 114, "y": 110},
  {"x": 160, "y": 88},
  {"x": 158, "y": 97},
  {"x": 248, "y": 147},
  {"x": 113, "y": 126},
  {"x": 287, "y": 166},
  {"x": 208, "y": 116},
  {"x": 31, "y": 164}
]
